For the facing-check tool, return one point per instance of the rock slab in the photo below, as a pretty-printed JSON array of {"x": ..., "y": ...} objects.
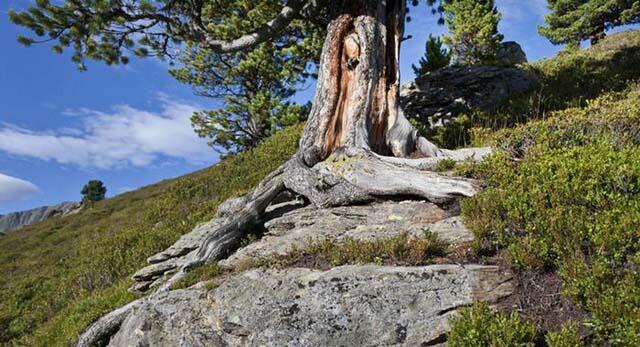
[
  {"x": 345, "y": 306},
  {"x": 437, "y": 98}
]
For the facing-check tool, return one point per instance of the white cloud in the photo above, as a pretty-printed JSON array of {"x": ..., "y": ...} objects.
[
  {"x": 125, "y": 136},
  {"x": 13, "y": 189}
]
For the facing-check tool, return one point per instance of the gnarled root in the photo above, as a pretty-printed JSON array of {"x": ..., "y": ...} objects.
[{"x": 349, "y": 176}]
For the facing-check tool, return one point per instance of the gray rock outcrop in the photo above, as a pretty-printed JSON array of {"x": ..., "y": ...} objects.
[
  {"x": 437, "y": 98},
  {"x": 17, "y": 220},
  {"x": 345, "y": 306}
]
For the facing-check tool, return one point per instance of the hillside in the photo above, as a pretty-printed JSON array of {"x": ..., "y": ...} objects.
[{"x": 63, "y": 274}]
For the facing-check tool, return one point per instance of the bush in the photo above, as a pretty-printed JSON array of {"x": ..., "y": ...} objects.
[
  {"x": 478, "y": 326},
  {"x": 568, "y": 336},
  {"x": 565, "y": 194}
]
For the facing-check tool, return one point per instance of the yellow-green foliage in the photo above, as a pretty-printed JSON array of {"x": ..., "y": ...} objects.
[
  {"x": 478, "y": 326},
  {"x": 199, "y": 274},
  {"x": 575, "y": 76},
  {"x": 60, "y": 275},
  {"x": 566, "y": 195},
  {"x": 567, "y": 336}
]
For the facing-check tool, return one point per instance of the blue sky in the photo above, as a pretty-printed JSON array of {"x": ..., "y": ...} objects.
[{"x": 129, "y": 126}]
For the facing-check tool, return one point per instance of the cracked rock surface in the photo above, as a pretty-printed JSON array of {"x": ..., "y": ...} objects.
[{"x": 345, "y": 306}]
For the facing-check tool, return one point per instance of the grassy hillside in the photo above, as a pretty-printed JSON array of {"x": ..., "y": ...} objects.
[{"x": 60, "y": 275}]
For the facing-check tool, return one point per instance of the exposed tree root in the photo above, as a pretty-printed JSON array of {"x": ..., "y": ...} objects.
[{"x": 348, "y": 177}]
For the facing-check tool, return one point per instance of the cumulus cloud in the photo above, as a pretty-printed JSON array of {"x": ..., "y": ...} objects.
[
  {"x": 124, "y": 136},
  {"x": 13, "y": 189}
]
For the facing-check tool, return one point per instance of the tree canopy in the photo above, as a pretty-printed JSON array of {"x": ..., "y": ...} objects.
[
  {"x": 253, "y": 55},
  {"x": 435, "y": 57},
  {"x": 93, "y": 191},
  {"x": 572, "y": 21},
  {"x": 473, "y": 27}
]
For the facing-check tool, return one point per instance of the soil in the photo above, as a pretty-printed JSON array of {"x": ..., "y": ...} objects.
[{"x": 538, "y": 299}]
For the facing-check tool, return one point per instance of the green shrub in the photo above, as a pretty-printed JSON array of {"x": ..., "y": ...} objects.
[
  {"x": 478, "y": 326},
  {"x": 565, "y": 194},
  {"x": 66, "y": 273},
  {"x": 445, "y": 165},
  {"x": 568, "y": 336},
  {"x": 201, "y": 273}
]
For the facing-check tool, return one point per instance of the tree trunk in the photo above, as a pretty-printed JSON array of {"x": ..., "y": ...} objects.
[{"x": 357, "y": 98}]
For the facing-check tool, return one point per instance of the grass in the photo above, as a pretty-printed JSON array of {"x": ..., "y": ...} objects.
[
  {"x": 63, "y": 274},
  {"x": 397, "y": 250}
]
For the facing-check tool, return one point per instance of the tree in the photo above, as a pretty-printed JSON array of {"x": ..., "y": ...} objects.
[
  {"x": 93, "y": 191},
  {"x": 435, "y": 57},
  {"x": 355, "y": 117},
  {"x": 572, "y": 21},
  {"x": 473, "y": 27}
]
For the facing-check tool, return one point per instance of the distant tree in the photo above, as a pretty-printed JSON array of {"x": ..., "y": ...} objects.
[
  {"x": 473, "y": 27},
  {"x": 572, "y": 21},
  {"x": 93, "y": 191},
  {"x": 435, "y": 57}
]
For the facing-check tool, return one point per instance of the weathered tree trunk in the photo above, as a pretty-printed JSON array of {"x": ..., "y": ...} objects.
[{"x": 357, "y": 98}]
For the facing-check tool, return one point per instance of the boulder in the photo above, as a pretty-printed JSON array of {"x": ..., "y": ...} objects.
[
  {"x": 510, "y": 53},
  {"x": 292, "y": 225},
  {"x": 367, "y": 222},
  {"x": 437, "y": 98},
  {"x": 345, "y": 306}
]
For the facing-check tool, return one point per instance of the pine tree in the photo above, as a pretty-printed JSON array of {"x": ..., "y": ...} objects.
[
  {"x": 93, "y": 191},
  {"x": 473, "y": 27},
  {"x": 572, "y": 21},
  {"x": 435, "y": 57}
]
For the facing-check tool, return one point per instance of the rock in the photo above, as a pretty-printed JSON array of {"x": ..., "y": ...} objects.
[
  {"x": 16, "y": 220},
  {"x": 345, "y": 306},
  {"x": 153, "y": 271},
  {"x": 291, "y": 225},
  {"x": 510, "y": 53},
  {"x": 367, "y": 222},
  {"x": 436, "y": 99}
]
